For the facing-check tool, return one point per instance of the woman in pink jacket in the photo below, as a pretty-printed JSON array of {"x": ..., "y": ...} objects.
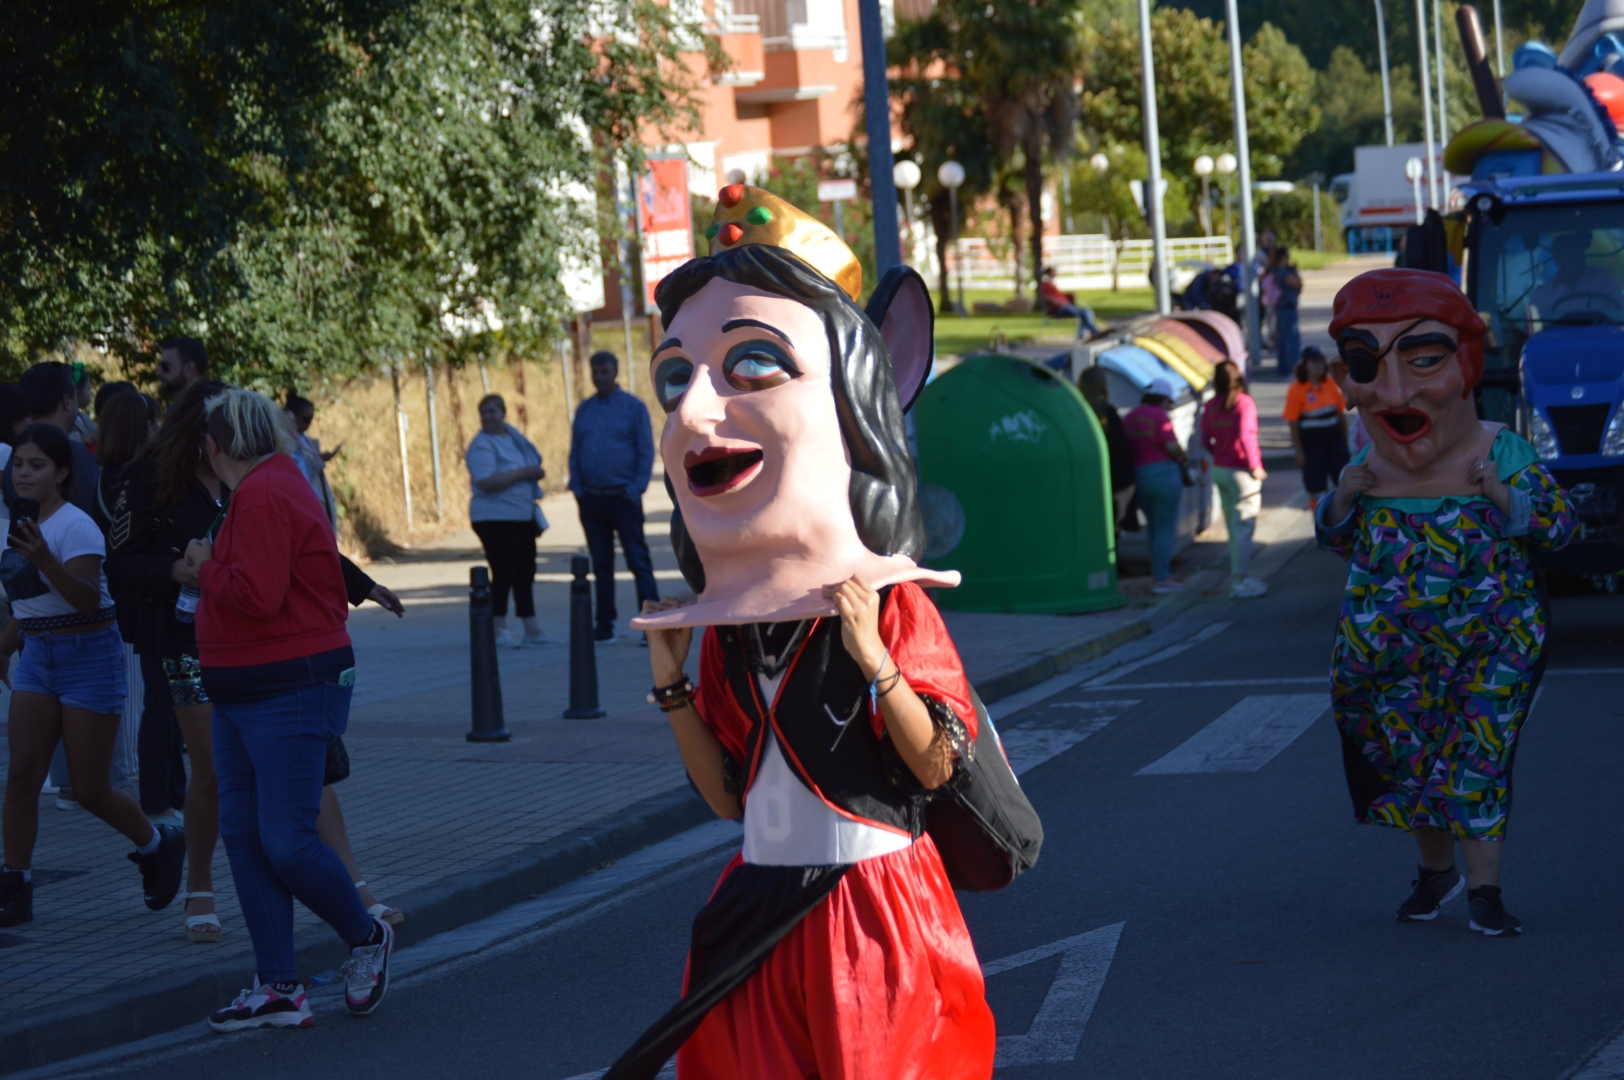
[{"x": 1229, "y": 435}]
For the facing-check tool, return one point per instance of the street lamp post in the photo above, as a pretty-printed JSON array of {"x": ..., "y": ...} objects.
[
  {"x": 1426, "y": 100},
  {"x": 1243, "y": 158},
  {"x": 907, "y": 176},
  {"x": 951, "y": 175},
  {"x": 1387, "y": 86},
  {"x": 877, "y": 121},
  {"x": 1153, "y": 156},
  {"x": 1413, "y": 169},
  {"x": 1443, "y": 91},
  {"x": 1100, "y": 163},
  {"x": 1203, "y": 169},
  {"x": 1226, "y": 165}
]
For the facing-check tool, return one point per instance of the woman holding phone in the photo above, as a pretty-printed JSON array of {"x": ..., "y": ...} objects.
[{"x": 69, "y": 683}]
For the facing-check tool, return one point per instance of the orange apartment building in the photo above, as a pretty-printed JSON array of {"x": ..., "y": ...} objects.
[{"x": 795, "y": 85}]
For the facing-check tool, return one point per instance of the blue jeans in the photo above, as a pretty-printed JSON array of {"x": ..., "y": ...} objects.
[
  {"x": 1288, "y": 338},
  {"x": 1160, "y": 487},
  {"x": 271, "y": 756},
  {"x": 602, "y": 517}
]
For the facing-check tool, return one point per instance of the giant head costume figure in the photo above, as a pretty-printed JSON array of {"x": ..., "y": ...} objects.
[
  {"x": 784, "y": 444},
  {"x": 1410, "y": 349}
]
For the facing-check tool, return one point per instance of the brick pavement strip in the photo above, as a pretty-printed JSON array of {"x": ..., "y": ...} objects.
[{"x": 449, "y": 831}]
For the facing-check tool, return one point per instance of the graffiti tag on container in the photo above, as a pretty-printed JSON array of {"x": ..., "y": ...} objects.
[{"x": 1026, "y": 426}]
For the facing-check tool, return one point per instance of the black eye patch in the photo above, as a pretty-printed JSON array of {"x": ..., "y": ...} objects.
[{"x": 1358, "y": 349}]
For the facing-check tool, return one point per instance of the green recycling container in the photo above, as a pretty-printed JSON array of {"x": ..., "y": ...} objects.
[{"x": 1014, "y": 483}]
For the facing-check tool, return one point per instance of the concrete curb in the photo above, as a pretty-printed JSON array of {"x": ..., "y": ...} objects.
[
  {"x": 174, "y": 1000},
  {"x": 1059, "y": 661}
]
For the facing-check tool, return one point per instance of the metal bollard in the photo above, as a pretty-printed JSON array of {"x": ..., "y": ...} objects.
[
  {"x": 487, "y": 684},
  {"x": 583, "y": 660}
]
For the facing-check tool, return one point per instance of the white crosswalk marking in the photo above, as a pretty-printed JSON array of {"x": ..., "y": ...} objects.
[
  {"x": 1058, "y": 1027},
  {"x": 1211, "y": 630},
  {"x": 1030, "y": 744},
  {"x": 1245, "y": 738}
]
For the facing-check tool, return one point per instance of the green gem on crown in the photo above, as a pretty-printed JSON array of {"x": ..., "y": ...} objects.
[
  {"x": 711, "y": 231},
  {"x": 759, "y": 215}
]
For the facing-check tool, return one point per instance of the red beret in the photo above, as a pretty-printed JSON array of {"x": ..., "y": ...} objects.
[{"x": 1384, "y": 296}]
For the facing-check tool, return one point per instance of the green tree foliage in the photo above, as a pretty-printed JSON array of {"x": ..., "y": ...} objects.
[
  {"x": 1192, "y": 91},
  {"x": 944, "y": 119},
  {"x": 1349, "y": 96},
  {"x": 1318, "y": 28},
  {"x": 437, "y": 198},
  {"x": 129, "y": 138},
  {"x": 1017, "y": 64},
  {"x": 1290, "y": 216}
]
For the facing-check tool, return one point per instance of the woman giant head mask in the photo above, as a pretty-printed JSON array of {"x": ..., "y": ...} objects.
[
  {"x": 784, "y": 445},
  {"x": 1410, "y": 350}
]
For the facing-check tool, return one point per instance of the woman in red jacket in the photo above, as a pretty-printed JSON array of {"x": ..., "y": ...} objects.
[{"x": 278, "y": 667}]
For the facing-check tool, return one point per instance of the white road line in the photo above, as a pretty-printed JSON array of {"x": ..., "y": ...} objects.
[
  {"x": 1211, "y": 630},
  {"x": 1607, "y": 1063},
  {"x": 1302, "y": 680},
  {"x": 1245, "y": 738},
  {"x": 1029, "y": 745},
  {"x": 1057, "y": 1029},
  {"x": 1305, "y": 680}
]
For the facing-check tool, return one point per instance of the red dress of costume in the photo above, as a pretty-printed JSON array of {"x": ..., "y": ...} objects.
[{"x": 876, "y": 977}]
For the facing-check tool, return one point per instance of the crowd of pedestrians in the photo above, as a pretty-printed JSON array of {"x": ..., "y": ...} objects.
[{"x": 177, "y": 613}]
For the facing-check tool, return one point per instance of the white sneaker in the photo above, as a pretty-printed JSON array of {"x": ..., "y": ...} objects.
[
  {"x": 506, "y": 639},
  {"x": 1248, "y": 588},
  {"x": 264, "y": 1006},
  {"x": 1171, "y": 585},
  {"x": 366, "y": 972}
]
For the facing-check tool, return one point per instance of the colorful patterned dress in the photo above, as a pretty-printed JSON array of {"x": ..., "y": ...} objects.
[{"x": 1440, "y": 645}]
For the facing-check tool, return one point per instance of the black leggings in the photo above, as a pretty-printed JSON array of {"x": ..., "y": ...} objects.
[{"x": 510, "y": 549}]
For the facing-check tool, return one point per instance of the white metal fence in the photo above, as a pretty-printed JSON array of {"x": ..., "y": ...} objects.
[{"x": 1082, "y": 261}]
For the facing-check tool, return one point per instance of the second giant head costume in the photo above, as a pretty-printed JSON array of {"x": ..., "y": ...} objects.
[
  {"x": 1410, "y": 350},
  {"x": 784, "y": 446}
]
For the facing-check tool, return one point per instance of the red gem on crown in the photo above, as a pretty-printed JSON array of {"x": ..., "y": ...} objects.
[
  {"x": 730, "y": 234},
  {"x": 730, "y": 195}
]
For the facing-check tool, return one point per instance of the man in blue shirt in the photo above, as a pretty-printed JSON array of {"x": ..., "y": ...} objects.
[{"x": 611, "y": 459}]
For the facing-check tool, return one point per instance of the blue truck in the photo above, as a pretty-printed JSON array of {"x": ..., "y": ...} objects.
[{"x": 1545, "y": 255}]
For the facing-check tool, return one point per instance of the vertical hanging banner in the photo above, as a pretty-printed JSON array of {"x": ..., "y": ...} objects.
[{"x": 668, "y": 235}]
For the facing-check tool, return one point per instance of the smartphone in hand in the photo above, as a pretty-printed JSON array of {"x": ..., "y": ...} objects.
[{"x": 22, "y": 510}]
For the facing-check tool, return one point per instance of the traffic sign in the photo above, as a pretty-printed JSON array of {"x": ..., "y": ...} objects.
[{"x": 837, "y": 190}]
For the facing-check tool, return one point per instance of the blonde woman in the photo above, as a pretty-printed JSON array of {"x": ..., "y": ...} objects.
[{"x": 277, "y": 666}]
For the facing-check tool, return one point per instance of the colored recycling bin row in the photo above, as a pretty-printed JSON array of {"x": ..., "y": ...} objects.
[{"x": 1015, "y": 480}]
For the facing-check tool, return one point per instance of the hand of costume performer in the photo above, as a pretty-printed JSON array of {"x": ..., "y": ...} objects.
[
  {"x": 922, "y": 745},
  {"x": 702, "y": 753},
  {"x": 1355, "y": 481},
  {"x": 1485, "y": 473},
  {"x": 667, "y": 649},
  {"x": 859, "y": 608}
]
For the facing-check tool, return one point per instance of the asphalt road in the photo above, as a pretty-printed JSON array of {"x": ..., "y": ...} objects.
[{"x": 1198, "y": 923}]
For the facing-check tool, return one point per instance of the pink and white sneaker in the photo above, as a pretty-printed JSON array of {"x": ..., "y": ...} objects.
[
  {"x": 366, "y": 972},
  {"x": 264, "y": 1006}
]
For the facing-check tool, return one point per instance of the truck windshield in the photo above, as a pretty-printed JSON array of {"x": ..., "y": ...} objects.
[{"x": 1551, "y": 265}]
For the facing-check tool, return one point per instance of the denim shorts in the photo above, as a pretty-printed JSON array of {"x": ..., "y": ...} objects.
[{"x": 82, "y": 671}]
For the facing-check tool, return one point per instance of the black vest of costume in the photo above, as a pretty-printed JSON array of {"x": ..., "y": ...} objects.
[{"x": 822, "y": 724}]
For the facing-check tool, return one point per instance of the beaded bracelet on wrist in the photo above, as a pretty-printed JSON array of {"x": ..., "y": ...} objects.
[{"x": 676, "y": 696}]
